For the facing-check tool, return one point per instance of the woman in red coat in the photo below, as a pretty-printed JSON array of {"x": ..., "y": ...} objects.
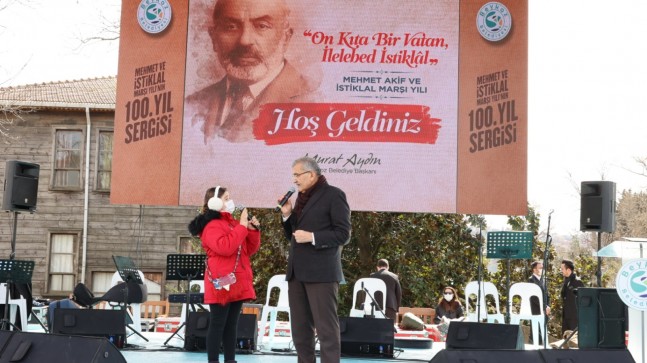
[{"x": 228, "y": 244}]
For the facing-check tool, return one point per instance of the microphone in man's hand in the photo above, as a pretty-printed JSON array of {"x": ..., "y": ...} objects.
[{"x": 285, "y": 199}]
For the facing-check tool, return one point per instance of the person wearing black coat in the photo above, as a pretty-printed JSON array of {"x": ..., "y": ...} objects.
[
  {"x": 569, "y": 302},
  {"x": 393, "y": 288}
]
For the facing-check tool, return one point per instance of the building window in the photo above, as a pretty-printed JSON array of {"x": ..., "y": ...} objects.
[
  {"x": 101, "y": 282},
  {"x": 104, "y": 160},
  {"x": 68, "y": 146},
  {"x": 62, "y": 260}
]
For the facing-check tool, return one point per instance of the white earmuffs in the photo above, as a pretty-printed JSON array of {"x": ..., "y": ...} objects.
[{"x": 214, "y": 202}]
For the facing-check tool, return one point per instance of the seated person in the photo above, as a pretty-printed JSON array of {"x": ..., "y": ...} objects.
[{"x": 448, "y": 308}]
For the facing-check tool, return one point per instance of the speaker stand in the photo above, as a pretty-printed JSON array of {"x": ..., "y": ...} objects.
[
  {"x": 598, "y": 273},
  {"x": 12, "y": 255}
]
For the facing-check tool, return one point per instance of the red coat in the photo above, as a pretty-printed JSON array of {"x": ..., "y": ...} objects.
[{"x": 220, "y": 240}]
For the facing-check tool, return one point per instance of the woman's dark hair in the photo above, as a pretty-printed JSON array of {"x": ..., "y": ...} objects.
[{"x": 450, "y": 306}]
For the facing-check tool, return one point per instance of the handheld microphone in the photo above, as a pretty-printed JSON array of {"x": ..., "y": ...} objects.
[
  {"x": 240, "y": 208},
  {"x": 285, "y": 199}
]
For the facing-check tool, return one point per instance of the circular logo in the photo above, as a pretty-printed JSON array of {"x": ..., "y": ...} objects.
[
  {"x": 154, "y": 15},
  {"x": 493, "y": 21},
  {"x": 631, "y": 284}
]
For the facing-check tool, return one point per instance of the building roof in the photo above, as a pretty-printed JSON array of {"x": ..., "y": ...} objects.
[{"x": 95, "y": 93}]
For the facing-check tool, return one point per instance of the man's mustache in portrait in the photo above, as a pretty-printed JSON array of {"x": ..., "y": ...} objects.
[{"x": 241, "y": 56}]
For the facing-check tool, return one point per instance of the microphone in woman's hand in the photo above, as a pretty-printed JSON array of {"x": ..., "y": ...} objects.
[{"x": 241, "y": 207}]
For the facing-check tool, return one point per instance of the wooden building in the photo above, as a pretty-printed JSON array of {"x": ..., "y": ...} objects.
[{"x": 67, "y": 129}]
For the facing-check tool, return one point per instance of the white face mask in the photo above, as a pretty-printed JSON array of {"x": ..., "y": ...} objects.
[
  {"x": 230, "y": 207},
  {"x": 448, "y": 297}
]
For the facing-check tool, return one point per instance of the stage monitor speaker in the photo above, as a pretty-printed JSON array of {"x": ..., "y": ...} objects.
[
  {"x": 24, "y": 347},
  {"x": 533, "y": 356},
  {"x": 366, "y": 336},
  {"x": 470, "y": 335},
  {"x": 20, "y": 186},
  {"x": 110, "y": 324},
  {"x": 197, "y": 326},
  {"x": 585, "y": 355},
  {"x": 487, "y": 356},
  {"x": 602, "y": 318},
  {"x": 598, "y": 206}
]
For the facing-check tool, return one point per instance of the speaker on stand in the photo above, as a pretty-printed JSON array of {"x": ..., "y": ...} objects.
[
  {"x": 20, "y": 190},
  {"x": 598, "y": 212},
  {"x": 20, "y": 186}
]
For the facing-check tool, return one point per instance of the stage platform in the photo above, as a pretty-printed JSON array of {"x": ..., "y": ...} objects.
[{"x": 140, "y": 351}]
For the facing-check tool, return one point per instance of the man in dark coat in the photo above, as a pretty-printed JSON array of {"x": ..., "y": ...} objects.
[
  {"x": 318, "y": 227},
  {"x": 535, "y": 304},
  {"x": 569, "y": 302},
  {"x": 393, "y": 288}
]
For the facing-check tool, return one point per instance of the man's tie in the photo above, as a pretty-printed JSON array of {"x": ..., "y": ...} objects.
[{"x": 240, "y": 98}]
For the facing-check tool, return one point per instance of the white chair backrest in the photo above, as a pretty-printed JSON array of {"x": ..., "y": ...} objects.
[
  {"x": 487, "y": 288},
  {"x": 3, "y": 291},
  {"x": 279, "y": 282},
  {"x": 373, "y": 285},
  {"x": 525, "y": 290},
  {"x": 116, "y": 278}
]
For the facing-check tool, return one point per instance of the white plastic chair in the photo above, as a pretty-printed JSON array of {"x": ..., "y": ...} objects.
[
  {"x": 283, "y": 304},
  {"x": 136, "y": 313},
  {"x": 525, "y": 290},
  {"x": 487, "y": 288},
  {"x": 373, "y": 285},
  {"x": 13, "y": 305}
]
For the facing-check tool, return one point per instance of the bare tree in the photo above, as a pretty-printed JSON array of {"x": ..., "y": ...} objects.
[
  {"x": 9, "y": 115},
  {"x": 106, "y": 30}
]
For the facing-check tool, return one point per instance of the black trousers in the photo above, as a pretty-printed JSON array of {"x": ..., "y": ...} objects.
[
  {"x": 223, "y": 326},
  {"x": 314, "y": 305}
]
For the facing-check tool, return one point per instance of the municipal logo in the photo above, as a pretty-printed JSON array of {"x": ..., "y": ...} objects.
[
  {"x": 154, "y": 15},
  {"x": 631, "y": 284},
  {"x": 494, "y": 21}
]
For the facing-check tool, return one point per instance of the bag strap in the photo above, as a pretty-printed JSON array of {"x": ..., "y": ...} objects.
[{"x": 206, "y": 263}]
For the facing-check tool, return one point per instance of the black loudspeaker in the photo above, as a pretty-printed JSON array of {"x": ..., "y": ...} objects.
[
  {"x": 487, "y": 356},
  {"x": 533, "y": 356},
  {"x": 585, "y": 355},
  {"x": 110, "y": 324},
  {"x": 469, "y": 335},
  {"x": 24, "y": 347},
  {"x": 20, "y": 186},
  {"x": 598, "y": 206},
  {"x": 197, "y": 326},
  {"x": 247, "y": 333},
  {"x": 602, "y": 318},
  {"x": 366, "y": 336}
]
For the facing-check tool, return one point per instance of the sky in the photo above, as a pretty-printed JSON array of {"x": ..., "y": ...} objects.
[{"x": 587, "y": 77}]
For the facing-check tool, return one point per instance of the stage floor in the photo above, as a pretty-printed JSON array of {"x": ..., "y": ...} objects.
[{"x": 140, "y": 351}]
